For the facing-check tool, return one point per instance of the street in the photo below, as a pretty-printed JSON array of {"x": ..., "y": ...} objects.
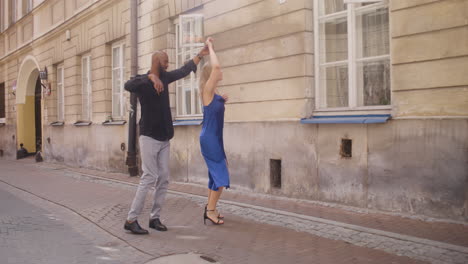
[
  {"x": 40, "y": 232},
  {"x": 57, "y": 215}
]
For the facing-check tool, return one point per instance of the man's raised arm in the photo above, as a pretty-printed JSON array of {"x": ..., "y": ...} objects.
[{"x": 188, "y": 67}]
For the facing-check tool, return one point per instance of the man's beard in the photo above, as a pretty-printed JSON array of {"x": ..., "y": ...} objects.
[{"x": 161, "y": 69}]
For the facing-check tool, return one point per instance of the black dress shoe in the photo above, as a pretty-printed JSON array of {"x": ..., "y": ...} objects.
[
  {"x": 135, "y": 228},
  {"x": 156, "y": 224}
]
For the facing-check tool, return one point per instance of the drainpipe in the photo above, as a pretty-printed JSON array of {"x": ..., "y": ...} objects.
[{"x": 131, "y": 153}]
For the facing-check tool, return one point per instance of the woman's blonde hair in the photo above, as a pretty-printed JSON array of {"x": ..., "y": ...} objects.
[{"x": 205, "y": 75}]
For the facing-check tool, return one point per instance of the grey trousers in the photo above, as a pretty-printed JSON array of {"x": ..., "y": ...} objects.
[{"x": 155, "y": 163}]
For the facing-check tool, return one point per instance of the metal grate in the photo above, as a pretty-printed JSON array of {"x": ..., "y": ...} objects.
[{"x": 346, "y": 149}]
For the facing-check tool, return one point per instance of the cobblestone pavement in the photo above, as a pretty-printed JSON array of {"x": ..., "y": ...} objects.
[
  {"x": 252, "y": 233},
  {"x": 39, "y": 232}
]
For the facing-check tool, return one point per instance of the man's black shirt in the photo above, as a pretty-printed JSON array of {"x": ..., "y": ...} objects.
[{"x": 156, "y": 118}]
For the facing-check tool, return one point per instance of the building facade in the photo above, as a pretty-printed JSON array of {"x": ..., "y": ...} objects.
[{"x": 359, "y": 103}]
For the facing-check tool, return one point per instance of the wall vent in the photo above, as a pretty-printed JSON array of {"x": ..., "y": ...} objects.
[
  {"x": 275, "y": 173},
  {"x": 346, "y": 150}
]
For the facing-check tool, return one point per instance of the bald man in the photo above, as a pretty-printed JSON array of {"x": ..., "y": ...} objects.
[{"x": 155, "y": 132}]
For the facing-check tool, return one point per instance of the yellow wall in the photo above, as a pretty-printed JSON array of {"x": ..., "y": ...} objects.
[{"x": 27, "y": 125}]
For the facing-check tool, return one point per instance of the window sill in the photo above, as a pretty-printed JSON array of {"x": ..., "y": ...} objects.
[
  {"x": 114, "y": 123},
  {"x": 57, "y": 123},
  {"x": 82, "y": 123},
  {"x": 193, "y": 122},
  {"x": 346, "y": 119},
  {"x": 362, "y": 110}
]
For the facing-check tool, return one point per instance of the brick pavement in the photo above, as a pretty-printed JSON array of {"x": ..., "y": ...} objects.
[
  {"x": 431, "y": 229},
  {"x": 443, "y": 231},
  {"x": 240, "y": 240}
]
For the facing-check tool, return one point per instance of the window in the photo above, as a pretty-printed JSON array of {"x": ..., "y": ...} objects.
[
  {"x": 27, "y": 6},
  {"x": 117, "y": 80},
  {"x": 12, "y": 12},
  {"x": 2, "y": 15},
  {"x": 86, "y": 91},
  {"x": 352, "y": 40},
  {"x": 60, "y": 94},
  {"x": 189, "y": 41},
  {"x": 2, "y": 102}
]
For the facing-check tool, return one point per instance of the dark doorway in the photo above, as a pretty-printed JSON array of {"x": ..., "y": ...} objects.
[{"x": 38, "y": 115}]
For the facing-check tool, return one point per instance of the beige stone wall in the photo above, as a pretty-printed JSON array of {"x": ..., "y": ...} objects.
[
  {"x": 267, "y": 73},
  {"x": 266, "y": 51},
  {"x": 429, "y": 57},
  {"x": 92, "y": 33},
  {"x": 94, "y": 27}
]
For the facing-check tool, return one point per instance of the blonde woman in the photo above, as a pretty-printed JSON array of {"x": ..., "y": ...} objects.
[{"x": 211, "y": 136}]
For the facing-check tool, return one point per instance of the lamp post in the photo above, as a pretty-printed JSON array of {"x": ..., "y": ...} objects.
[{"x": 44, "y": 81}]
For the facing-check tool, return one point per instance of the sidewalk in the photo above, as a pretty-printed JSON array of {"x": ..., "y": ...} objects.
[
  {"x": 259, "y": 226},
  {"x": 437, "y": 230}
]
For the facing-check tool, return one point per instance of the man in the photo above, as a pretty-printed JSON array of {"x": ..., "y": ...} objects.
[{"x": 155, "y": 132}]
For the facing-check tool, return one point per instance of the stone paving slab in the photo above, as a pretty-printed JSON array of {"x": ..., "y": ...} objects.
[
  {"x": 440, "y": 230},
  {"x": 35, "y": 231},
  {"x": 245, "y": 238}
]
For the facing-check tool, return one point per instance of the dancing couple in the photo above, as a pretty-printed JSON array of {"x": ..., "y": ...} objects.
[{"x": 156, "y": 130}]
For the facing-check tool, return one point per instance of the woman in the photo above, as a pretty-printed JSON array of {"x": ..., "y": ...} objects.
[{"x": 211, "y": 136}]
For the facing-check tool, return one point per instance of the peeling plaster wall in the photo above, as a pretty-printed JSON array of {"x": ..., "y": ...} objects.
[
  {"x": 409, "y": 166},
  {"x": 96, "y": 147}
]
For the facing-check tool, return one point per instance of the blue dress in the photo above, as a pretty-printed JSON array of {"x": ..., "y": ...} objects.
[{"x": 211, "y": 143}]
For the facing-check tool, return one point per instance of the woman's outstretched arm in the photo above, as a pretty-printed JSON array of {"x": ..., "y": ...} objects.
[{"x": 215, "y": 75}]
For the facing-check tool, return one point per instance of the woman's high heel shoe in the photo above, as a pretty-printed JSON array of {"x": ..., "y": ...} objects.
[
  {"x": 205, "y": 216},
  {"x": 219, "y": 214}
]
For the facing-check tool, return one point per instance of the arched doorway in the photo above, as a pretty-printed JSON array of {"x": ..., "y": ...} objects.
[{"x": 29, "y": 106}]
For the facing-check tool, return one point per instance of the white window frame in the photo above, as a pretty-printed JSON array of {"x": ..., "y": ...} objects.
[
  {"x": 2, "y": 16},
  {"x": 351, "y": 61},
  {"x": 86, "y": 89},
  {"x": 26, "y": 7},
  {"x": 182, "y": 86},
  {"x": 121, "y": 68},
  {"x": 12, "y": 12},
  {"x": 60, "y": 93}
]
